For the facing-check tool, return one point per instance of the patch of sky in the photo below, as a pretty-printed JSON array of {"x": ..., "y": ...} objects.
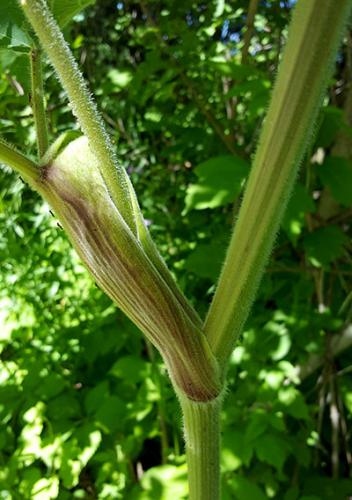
[
  {"x": 225, "y": 29},
  {"x": 235, "y": 37},
  {"x": 288, "y": 3}
]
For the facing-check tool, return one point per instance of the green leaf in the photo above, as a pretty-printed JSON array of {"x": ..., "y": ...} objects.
[
  {"x": 163, "y": 483},
  {"x": 13, "y": 27},
  {"x": 131, "y": 369},
  {"x": 292, "y": 493},
  {"x": 51, "y": 386},
  {"x": 221, "y": 180},
  {"x": 111, "y": 415},
  {"x": 325, "y": 245},
  {"x": 77, "y": 452},
  {"x": 45, "y": 488},
  {"x": 120, "y": 79},
  {"x": 292, "y": 401},
  {"x": 236, "y": 450},
  {"x": 258, "y": 424},
  {"x": 243, "y": 489},
  {"x": 239, "y": 72},
  {"x": 336, "y": 174},
  {"x": 326, "y": 488},
  {"x": 250, "y": 88},
  {"x": 331, "y": 124},
  {"x": 65, "y": 406},
  {"x": 96, "y": 396},
  {"x": 65, "y": 10},
  {"x": 206, "y": 260},
  {"x": 300, "y": 204},
  {"x": 220, "y": 6},
  {"x": 282, "y": 348},
  {"x": 272, "y": 449}
]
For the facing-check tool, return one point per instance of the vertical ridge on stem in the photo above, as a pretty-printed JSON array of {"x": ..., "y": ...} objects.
[{"x": 314, "y": 35}]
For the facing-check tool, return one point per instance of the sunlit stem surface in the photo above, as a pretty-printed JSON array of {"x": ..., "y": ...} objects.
[{"x": 314, "y": 34}]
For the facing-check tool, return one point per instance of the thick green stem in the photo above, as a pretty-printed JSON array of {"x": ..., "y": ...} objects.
[
  {"x": 313, "y": 39},
  {"x": 19, "y": 162},
  {"x": 37, "y": 101},
  {"x": 202, "y": 436},
  {"x": 83, "y": 106}
]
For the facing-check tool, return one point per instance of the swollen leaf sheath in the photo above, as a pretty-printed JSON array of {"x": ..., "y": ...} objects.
[{"x": 74, "y": 187}]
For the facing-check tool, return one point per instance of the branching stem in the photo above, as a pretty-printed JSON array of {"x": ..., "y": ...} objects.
[
  {"x": 18, "y": 161},
  {"x": 83, "y": 106}
]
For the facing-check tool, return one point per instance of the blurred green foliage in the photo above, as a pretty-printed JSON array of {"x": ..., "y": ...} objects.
[{"x": 85, "y": 408}]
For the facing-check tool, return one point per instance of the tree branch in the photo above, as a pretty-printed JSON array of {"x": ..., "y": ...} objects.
[
  {"x": 339, "y": 343},
  {"x": 252, "y": 10}
]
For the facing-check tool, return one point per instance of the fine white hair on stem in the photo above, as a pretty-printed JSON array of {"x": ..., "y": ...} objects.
[{"x": 82, "y": 104}]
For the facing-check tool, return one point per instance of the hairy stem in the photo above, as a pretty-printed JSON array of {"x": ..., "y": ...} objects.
[
  {"x": 313, "y": 39},
  {"x": 202, "y": 436},
  {"x": 18, "y": 161},
  {"x": 85, "y": 109},
  {"x": 82, "y": 104},
  {"x": 37, "y": 101}
]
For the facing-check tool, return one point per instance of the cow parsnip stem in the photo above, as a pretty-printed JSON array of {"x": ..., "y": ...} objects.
[
  {"x": 202, "y": 438},
  {"x": 85, "y": 109},
  {"x": 314, "y": 34},
  {"x": 76, "y": 191},
  {"x": 83, "y": 106},
  {"x": 10, "y": 156}
]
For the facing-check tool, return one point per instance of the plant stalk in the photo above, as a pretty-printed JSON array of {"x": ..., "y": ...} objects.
[
  {"x": 85, "y": 109},
  {"x": 314, "y": 35},
  {"x": 19, "y": 162},
  {"x": 83, "y": 106},
  {"x": 37, "y": 101},
  {"x": 202, "y": 437}
]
